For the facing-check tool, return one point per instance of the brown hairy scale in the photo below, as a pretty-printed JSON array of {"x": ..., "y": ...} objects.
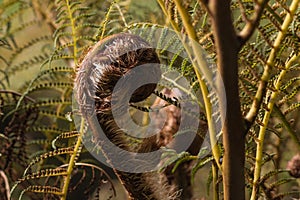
[
  {"x": 103, "y": 66},
  {"x": 108, "y": 61}
]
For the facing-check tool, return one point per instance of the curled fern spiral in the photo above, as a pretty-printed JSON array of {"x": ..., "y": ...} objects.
[{"x": 103, "y": 66}]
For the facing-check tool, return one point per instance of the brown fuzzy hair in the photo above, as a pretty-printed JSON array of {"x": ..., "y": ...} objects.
[{"x": 103, "y": 66}]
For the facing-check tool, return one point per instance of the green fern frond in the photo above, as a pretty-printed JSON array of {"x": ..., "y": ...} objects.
[
  {"x": 37, "y": 59},
  {"x": 289, "y": 83},
  {"x": 52, "y": 114},
  {"x": 55, "y": 85},
  {"x": 65, "y": 135},
  {"x": 60, "y": 151},
  {"x": 72, "y": 19},
  {"x": 182, "y": 159},
  {"x": 286, "y": 194},
  {"x": 273, "y": 17},
  {"x": 42, "y": 189},
  {"x": 292, "y": 108},
  {"x": 116, "y": 19},
  {"x": 283, "y": 181},
  {"x": 50, "y": 72},
  {"x": 291, "y": 94},
  {"x": 11, "y": 10},
  {"x": 267, "y": 34},
  {"x": 200, "y": 164},
  {"x": 44, "y": 173},
  {"x": 4, "y": 80},
  {"x": 46, "y": 129},
  {"x": 46, "y": 103},
  {"x": 28, "y": 44},
  {"x": 38, "y": 142},
  {"x": 270, "y": 174}
]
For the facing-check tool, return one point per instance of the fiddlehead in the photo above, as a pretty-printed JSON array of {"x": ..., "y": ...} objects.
[{"x": 104, "y": 65}]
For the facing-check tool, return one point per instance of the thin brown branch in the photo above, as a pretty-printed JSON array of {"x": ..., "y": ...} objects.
[
  {"x": 204, "y": 3},
  {"x": 243, "y": 11},
  {"x": 251, "y": 23},
  {"x": 6, "y": 182},
  {"x": 17, "y": 94},
  {"x": 257, "y": 102},
  {"x": 228, "y": 45}
]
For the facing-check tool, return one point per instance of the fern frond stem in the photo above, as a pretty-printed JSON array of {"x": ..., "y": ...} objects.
[
  {"x": 215, "y": 182},
  {"x": 72, "y": 161},
  {"x": 251, "y": 115},
  {"x": 74, "y": 33},
  {"x": 104, "y": 22},
  {"x": 161, "y": 4},
  {"x": 122, "y": 15},
  {"x": 263, "y": 128},
  {"x": 17, "y": 93},
  {"x": 197, "y": 52},
  {"x": 186, "y": 20},
  {"x": 184, "y": 90},
  {"x": 65, "y": 94},
  {"x": 287, "y": 126},
  {"x": 275, "y": 15},
  {"x": 251, "y": 24},
  {"x": 172, "y": 22},
  {"x": 96, "y": 167}
]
